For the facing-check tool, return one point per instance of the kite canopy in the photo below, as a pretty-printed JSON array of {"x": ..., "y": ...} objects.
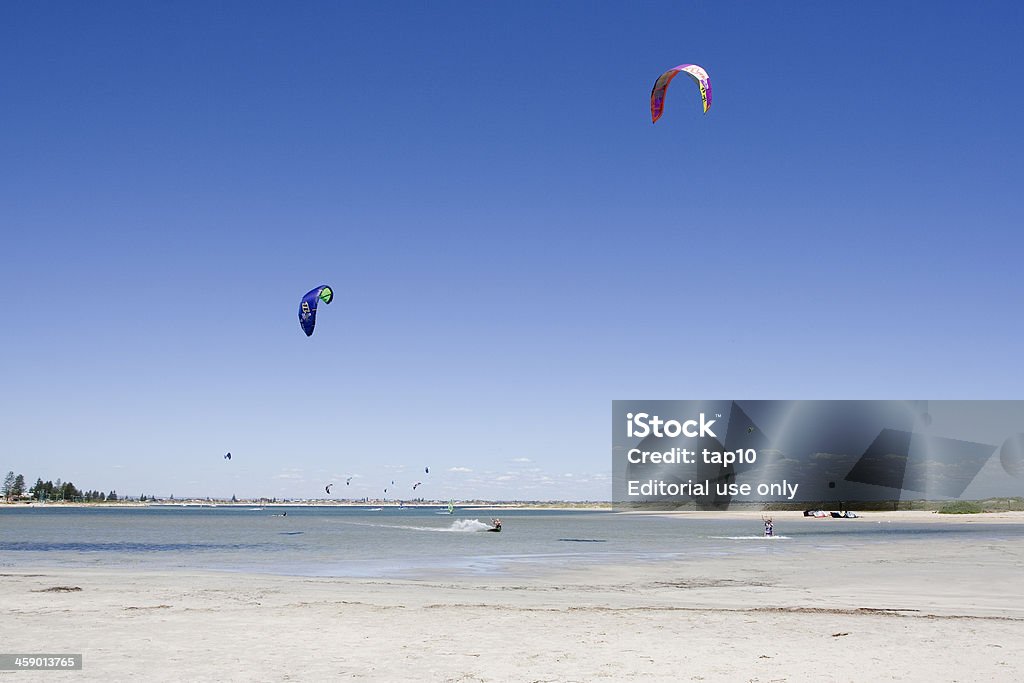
[
  {"x": 699, "y": 76},
  {"x": 307, "y": 308}
]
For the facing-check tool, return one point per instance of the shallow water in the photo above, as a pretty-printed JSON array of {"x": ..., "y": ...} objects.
[{"x": 413, "y": 542}]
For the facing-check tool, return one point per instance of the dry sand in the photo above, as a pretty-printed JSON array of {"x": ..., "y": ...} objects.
[{"x": 912, "y": 611}]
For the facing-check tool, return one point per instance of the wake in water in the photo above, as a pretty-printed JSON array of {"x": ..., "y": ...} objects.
[
  {"x": 458, "y": 526},
  {"x": 468, "y": 525},
  {"x": 751, "y": 538}
]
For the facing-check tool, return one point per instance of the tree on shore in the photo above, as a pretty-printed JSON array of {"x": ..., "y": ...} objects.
[
  {"x": 69, "y": 492},
  {"x": 38, "y": 490},
  {"x": 14, "y": 486}
]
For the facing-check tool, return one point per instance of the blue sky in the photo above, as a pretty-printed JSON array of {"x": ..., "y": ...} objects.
[{"x": 512, "y": 243}]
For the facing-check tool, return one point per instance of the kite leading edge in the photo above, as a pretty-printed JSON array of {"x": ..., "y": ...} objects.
[{"x": 699, "y": 76}]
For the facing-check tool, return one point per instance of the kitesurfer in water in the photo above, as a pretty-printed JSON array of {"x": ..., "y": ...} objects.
[
  {"x": 497, "y": 524},
  {"x": 768, "y": 529}
]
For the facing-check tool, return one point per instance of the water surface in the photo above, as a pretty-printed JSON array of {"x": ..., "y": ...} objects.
[{"x": 414, "y": 542}]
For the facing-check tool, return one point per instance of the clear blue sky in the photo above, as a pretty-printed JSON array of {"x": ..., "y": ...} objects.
[{"x": 513, "y": 244}]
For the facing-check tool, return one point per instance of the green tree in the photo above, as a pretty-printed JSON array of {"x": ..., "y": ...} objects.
[
  {"x": 19, "y": 486},
  {"x": 112, "y": 495},
  {"x": 8, "y": 485},
  {"x": 69, "y": 492}
]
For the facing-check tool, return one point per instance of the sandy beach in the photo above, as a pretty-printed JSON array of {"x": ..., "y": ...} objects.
[{"x": 914, "y": 611}]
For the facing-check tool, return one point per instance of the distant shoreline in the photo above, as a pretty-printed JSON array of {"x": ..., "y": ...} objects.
[
  {"x": 786, "y": 516},
  {"x": 474, "y": 505},
  {"x": 867, "y": 517}
]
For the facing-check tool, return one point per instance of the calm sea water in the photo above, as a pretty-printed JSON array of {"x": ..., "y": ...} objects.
[{"x": 410, "y": 542}]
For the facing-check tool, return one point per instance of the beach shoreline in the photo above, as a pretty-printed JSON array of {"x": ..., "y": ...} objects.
[
  {"x": 558, "y": 507},
  {"x": 866, "y": 517},
  {"x": 902, "y": 516},
  {"x": 764, "y": 616}
]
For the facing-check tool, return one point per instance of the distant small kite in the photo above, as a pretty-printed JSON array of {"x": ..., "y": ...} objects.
[
  {"x": 227, "y": 457},
  {"x": 328, "y": 488}
]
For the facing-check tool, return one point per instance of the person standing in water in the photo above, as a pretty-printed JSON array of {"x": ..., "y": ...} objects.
[{"x": 768, "y": 530}]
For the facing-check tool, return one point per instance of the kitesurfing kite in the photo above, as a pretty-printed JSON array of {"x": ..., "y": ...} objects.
[
  {"x": 227, "y": 456},
  {"x": 307, "y": 308},
  {"x": 328, "y": 488},
  {"x": 416, "y": 484},
  {"x": 699, "y": 76},
  {"x": 426, "y": 470},
  {"x": 348, "y": 481}
]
